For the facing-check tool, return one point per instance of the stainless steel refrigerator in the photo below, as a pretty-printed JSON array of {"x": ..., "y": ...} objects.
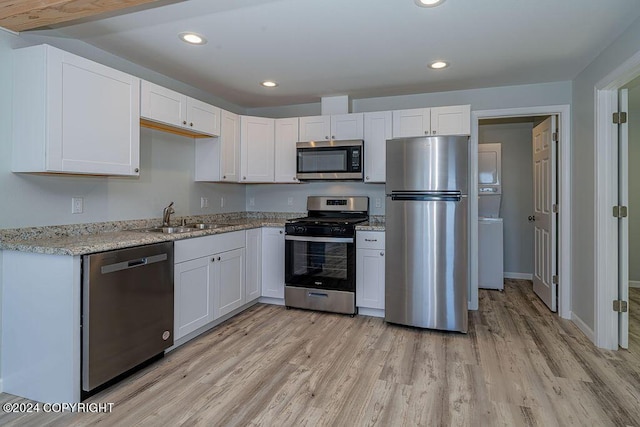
[{"x": 426, "y": 265}]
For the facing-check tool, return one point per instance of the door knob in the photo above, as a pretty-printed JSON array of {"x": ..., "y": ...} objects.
[
  {"x": 381, "y": 253},
  {"x": 531, "y": 218},
  {"x": 184, "y": 122},
  {"x": 218, "y": 258}
]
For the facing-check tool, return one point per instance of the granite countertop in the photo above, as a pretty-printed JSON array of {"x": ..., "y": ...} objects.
[
  {"x": 82, "y": 239},
  {"x": 375, "y": 223}
]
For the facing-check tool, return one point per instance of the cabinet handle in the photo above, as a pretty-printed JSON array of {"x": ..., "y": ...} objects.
[
  {"x": 426, "y": 132},
  {"x": 213, "y": 259},
  {"x": 184, "y": 122},
  {"x": 333, "y": 137},
  {"x": 434, "y": 132},
  {"x": 244, "y": 177},
  {"x": 367, "y": 178},
  {"x": 224, "y": 176},
  {"x": 381, "y": 253},
  {"x": 136, "y": 170},
  {"x": 280, "y": 231},
  {"x": 326, "y": 137},
  {"x": 190, "y": 124},
  {"x": 294, "y": 178},
  {"x": 218, "y": 258}
]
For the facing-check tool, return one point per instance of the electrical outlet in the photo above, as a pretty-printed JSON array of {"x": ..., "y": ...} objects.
[
  {"x": 378, "y": 202},
  {"x": 77, "y": 205},
  {"x": 290, "y": 201},
  {"x": 252, "y": 201},
  {"x": 222, "y": 202},
  {"x": 204, "y": 202}
]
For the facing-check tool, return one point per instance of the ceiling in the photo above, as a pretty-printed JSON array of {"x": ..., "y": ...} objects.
[{"x": 359, "y": 48}]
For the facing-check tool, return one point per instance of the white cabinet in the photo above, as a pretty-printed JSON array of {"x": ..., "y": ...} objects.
[
  {"x": 166, "y": 106},
  {"x": 229, "y": 274},
  {"x": 256, "y": 149},
  {"x": 72, "y": 115},
  {"x": 370, "y": 270},
  {"x": 451, "y": 120},
  {"x": 253, "y": 249},
  {"x": 218, "y": 159},
  {"x": 193, "y": 301},
  {"x": 273, "y": 262},
  {"x": 338, "y": 127},
  {"x": 377, "y": 129},
  {"x": 286, "y": 136},
  {"x": 209, "y": 279}
]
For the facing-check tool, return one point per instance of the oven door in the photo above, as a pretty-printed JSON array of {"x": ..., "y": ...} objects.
[{"x": 326, "y": 263}]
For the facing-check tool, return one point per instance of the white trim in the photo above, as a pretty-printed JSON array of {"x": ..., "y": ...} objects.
[
  {"x": 372, "y": 312},
  {"x": 606, "y": 194},
  {"x": 9, "y": 31},
  {"x": 511, "y": 275},
  {"x": 582, "y": 326},
  {"x": 634, "y": 284},
  {"x": 272, "y": 301},
  {"x": 564, "y": 195}
]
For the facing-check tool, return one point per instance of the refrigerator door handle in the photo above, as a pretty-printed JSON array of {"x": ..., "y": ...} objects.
[{"x": 426, "y": 197}]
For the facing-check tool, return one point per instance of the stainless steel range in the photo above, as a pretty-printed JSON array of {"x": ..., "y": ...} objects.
[{"x": 320, "y": 254}]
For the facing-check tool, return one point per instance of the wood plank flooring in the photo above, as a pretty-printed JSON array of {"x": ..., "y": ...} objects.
[
  {"x": 634, "y": 320},
  {"x": 519, "y": 365}
]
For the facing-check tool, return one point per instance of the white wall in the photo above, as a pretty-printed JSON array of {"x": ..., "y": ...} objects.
[
  {"x": 583, "y": 170},
  {"x": 517, "y": 191},
  {"x": 166, "y": 174},
  {"x": 634, "y": 184}
]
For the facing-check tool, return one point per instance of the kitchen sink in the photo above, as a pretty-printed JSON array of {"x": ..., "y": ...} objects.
[
  {"x": 169, "y": 230},
  {"x": 206, "y": 226}
]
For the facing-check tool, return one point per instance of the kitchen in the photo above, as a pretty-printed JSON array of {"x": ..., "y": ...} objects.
[{"x": 166, "y": 161}]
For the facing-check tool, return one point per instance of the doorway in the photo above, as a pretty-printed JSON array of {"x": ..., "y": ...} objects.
[{"x": 563, "y": 186}]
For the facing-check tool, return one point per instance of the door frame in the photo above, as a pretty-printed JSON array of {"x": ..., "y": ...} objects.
[
  {"x": 564, "y": 197},
  {"x": 606, "y": 196}
]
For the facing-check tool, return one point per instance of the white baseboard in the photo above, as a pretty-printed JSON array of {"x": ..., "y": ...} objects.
[
  {"x": 525, "y": 276},
  {"x": 269, "y": 300},
  {"x": 634, "y": 284},
  {"x": 373, "y": 312},
  {"x": 583, "y": 327}
]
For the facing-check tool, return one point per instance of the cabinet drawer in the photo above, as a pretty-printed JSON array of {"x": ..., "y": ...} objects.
[
  {"x": 197, "y": 247},
  {"x": 370, "y": 240}
]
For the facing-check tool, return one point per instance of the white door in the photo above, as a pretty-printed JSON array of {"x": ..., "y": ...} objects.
[
  {"x": 193, "y": 302},
  {"x": 370, "y": 278},
  {"x": 347, "y": 126},
  {"x": 544, "y": 196},
  {"x": 230, "y": 147},
  {"x": 257, "y": 139},
  {"x": 623, "y": 224},
  {"x": 273, "y": 262},
  {"x": 453, "y": 120},
  {"x": 413, "y": 122},
  {"x": 163, "y": 105},
  {"x": 230, "y": 286},
  {"x": 203, "y": 117},
  {"x": 315, "y": 128},
  {"x": 253, "y": 270},
  {"x": 286, "y": 136},
  {"x": 377, "y": 129}
]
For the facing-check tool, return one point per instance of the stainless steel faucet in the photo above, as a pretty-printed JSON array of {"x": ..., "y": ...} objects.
[{"x": 166, "y": 215}]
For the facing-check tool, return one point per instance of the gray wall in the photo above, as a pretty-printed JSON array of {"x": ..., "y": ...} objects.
[
  {"x": 583, "y": 172},
  {"x": 166, "y": 163},
  {"x": 517, "y": 191},
  {"x": 634, "y": 185}
]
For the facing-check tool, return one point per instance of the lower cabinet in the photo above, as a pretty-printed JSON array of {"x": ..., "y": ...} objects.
[
  {"x": 273, "y": 262},
  {"x": 209, "y": 279},
  {"x": 253, "y": 284},
  {"x": 370, "y": 270}
]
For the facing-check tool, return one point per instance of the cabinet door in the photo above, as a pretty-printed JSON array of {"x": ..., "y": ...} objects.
[
  {"x": 94, "y": 117},
  {"x": 377, "y": 129},
  {"x": 453, "y": 120},
  {"x": 254, "y": 264},
  {"x": 273, "y": 262},
  {"x": 257, "y": 149},
  {"x": 229, "y": 285},
  {"x": 286, "y": 136},
  {"x": 347, "y": 126},
  {"x": 315, "y": 128},
  {"x": 193, "y": 302},
  {"x": 229, "y": 147},
  {"x": 203, "y": 117},
  {"x": 370, "y": 278},
  {"x": 414, "y": 122},
  {"x": 162, "y": 105}
]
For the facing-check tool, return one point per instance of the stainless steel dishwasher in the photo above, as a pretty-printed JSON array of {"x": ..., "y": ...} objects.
[{"x": 127, "y": 310}]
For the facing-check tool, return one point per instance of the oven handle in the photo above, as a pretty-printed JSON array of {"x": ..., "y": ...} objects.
[{"x": 320, "y": 239}]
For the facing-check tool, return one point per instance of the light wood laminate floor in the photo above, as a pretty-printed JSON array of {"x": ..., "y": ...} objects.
[{"x": 519, "y": 365}]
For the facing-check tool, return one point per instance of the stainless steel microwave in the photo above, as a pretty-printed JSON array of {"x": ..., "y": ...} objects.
[{"x": 330, "y": 160}]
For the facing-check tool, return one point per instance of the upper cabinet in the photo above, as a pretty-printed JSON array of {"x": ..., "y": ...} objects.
[
  {"x": 257, "y": 142},
  {"x": 377, "y": 129},
  {"x": 339, "y": 127},
  {"x": 452, "y": 120},
  {"x": 218, "y": 159},
  {"x": 181, "y": 113},
  {"x": 286, "y": 136},
  {"x": 72, "y": 115}
]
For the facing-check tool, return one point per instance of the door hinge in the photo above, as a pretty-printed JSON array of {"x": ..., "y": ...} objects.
[
  {"x": 554, "y": 279},
  {"x": 620, "y": 306},
  {"x": 619, "y": 118},
  {"x": 619, "y": 211},
  {"x": 555, "y": 208},
  {"x": 555, "y": 137}
]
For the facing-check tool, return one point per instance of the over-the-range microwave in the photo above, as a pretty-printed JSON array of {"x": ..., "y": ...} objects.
[{"x": 330, "y": 160}]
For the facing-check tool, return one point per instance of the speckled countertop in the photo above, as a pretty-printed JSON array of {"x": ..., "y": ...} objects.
[{"x": 82, "y": 239}]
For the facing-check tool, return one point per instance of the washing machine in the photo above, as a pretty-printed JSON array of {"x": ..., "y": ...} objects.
[{"x": 490, "y": 225}]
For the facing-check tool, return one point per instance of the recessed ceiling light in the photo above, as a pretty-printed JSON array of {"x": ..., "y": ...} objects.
[
  {"x": 429, "y": 3},
  {"x": 192, "y": 38},
  {"x": 269, "y": 83},
  {"x": 437, "y": 65}
]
